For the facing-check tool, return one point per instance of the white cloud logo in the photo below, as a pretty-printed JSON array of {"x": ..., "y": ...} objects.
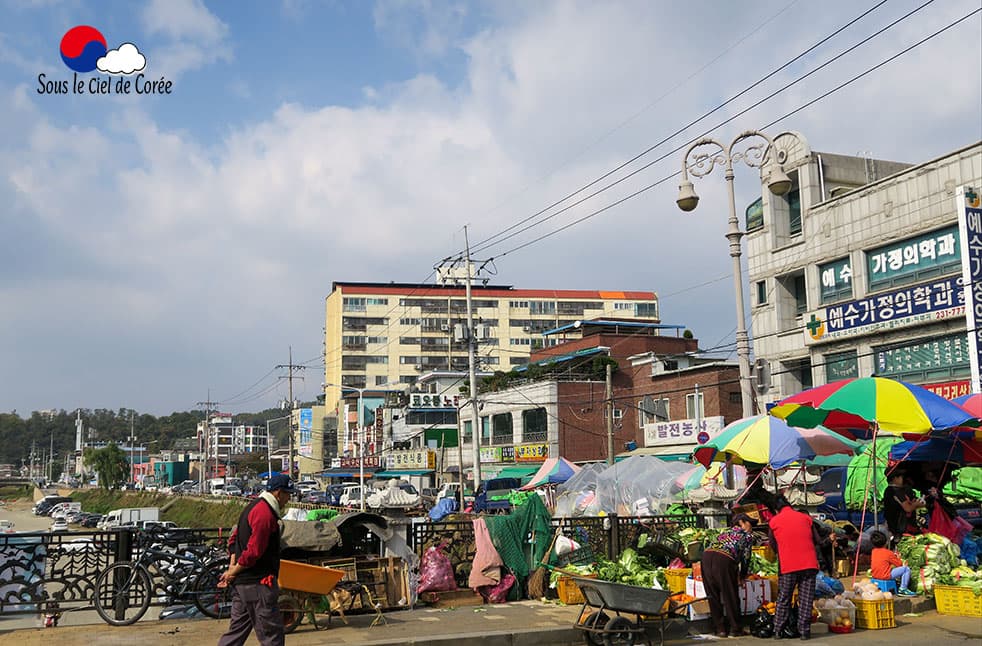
[{"x": 125, "y": 60}]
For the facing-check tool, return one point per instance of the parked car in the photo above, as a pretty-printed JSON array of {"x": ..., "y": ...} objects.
[
  {"x": 318, "y": 498},
  {"x": 6, "y": 526},
  {"x": 232, "y": 490},
  {"x": 60, "y": 525}
]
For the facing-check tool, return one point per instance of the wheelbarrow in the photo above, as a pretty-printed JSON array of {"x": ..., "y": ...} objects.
[
  {"x": 304, "y": 591},
  {"x": 601, "y": 598}
]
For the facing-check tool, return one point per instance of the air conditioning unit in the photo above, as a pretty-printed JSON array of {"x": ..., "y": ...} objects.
[
  {"x": 418, "y": 367},
  {"x": 527, "y": 329},
  {"x": 444, "y": 328}
]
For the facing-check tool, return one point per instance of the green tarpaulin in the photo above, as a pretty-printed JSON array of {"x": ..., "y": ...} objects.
[
  {"x": 965, "y": 483},
  {"x": 858, "y": 479},
  {"x": 509, "y": 534}
]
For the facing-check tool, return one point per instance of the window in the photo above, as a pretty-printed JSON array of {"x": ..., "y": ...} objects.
[
  {"x": 518, "y": 305},
  {"x": 408, "y": 360},
  {"x": 377, "y": 359},
  {"x": 623, "y": 306},
  {"x": 381, "y": 380},
  {"x": 786, "y": 212},
  {"x": 800, "y": 294},
  {"x": 376, "y": 301},
  {"x": 761, "y": 292},
  {"x": 542, "y": 307},
  {"x": 377, "y": 339},
  {"x": 502, "y": 431},
  {"x": 794, "y": 207},
  {"x": 353, "y": 342},
  {"x": 646, "y": 310},
  {"x": 485, "y": 430},
  {"x": 355, "y": 381},
  {"x": 350, "y": 304},
  {"x": 841, "y": 365},
  {"x": 797, "y": 375},
  {"x": 836, "y": 279},
  {"x": 618, "y": 413},
  {"x": 694, "y": 406},
  {"x": 652, "y": 410},
  {"x": 408, "y": 379},
  {"x": 520, "y": 341},
  {"x": 409, "y": 321},
  {"x": 518, "y": 361},
  {"x": 736, "y": 397},
  {"x": 409, "y": 340},
  {"x": 535, "y": 424},
  {"x": 468, "y": 431},
  {"x": 489, "y": 361}
]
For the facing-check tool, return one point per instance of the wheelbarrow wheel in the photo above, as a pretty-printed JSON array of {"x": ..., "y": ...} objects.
[
  {"x": 292, "y": 611},
  {"x": 619, "y": 631},
  {"x": 594, "y": 620}
]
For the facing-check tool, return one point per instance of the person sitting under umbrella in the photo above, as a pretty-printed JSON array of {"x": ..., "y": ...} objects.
[{"x": 724, "y": 564}]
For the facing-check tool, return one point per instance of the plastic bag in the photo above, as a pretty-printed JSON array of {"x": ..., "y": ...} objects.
[
  {"x": 498, "y": 593},
  {"x": 826, "y": 586},
  {"x": 565, "y": 545},
  {"x": 676, "y": 564},
  {"x": 762, "y": 625},
  {"x": 435, "y": 572},
  {"x": 954, "y": 529},
  {"x": 790, "y": 630}
]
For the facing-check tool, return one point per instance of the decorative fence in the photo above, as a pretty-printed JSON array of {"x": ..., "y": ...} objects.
[{"x": 39, "y": 570}]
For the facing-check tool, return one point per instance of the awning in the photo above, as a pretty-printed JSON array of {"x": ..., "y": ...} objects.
[
  {"x": 667, "y": 453},
  {"x": 399, "y": 474},
  {"x": 517, "y": 472},
  {"x": 579, "y": 354}
]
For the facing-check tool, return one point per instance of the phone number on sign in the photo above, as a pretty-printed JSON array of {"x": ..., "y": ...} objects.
[{"x": 950, "y": 313}]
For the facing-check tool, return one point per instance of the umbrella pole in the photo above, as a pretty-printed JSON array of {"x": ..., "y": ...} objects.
[{"x": 876, "y": 487}]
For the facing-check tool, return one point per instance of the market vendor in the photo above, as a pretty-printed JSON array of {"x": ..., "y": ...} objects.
[
  {"x": 724, "y": 564},
  {"x": 792, "y": 535},
  {"x": 900, "y": 506}
]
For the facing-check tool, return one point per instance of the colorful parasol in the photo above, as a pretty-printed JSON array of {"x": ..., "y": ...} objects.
[
  {"x": 857, "y": 407},
  {"x": 766, "y": 440},
  {"x": 699, "y": 476},
  {"x": 552, "y": 471},
  {"x": 972, "y": 403}
]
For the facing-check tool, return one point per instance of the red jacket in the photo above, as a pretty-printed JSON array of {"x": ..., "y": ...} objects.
[{"x": 793, "y": 536}]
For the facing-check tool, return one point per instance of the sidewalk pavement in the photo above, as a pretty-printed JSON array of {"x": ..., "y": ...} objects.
[{"x": 524, "y": 623}]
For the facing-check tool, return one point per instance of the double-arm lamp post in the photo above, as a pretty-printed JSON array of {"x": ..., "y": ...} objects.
[
  {"x": 361, "y": 437},
  {"x": 269, "y": 458},
  {"x": 755, "y": 155}
]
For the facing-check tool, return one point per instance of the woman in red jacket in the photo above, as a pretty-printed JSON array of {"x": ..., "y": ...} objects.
[{"x": 792, "y": 535}]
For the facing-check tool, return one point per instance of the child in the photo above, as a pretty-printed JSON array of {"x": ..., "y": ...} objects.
[{"x": 886, "y": 565}]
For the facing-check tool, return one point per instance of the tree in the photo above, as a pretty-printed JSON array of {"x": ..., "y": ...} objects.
[{"x": 110, "y": 463}]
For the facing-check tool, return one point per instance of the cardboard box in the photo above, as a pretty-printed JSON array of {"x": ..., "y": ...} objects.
[{"x": 753, "y": 594}]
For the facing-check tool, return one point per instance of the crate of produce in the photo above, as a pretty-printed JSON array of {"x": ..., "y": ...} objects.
[
  {"x": 958, "y": 601},
  {"x": 765, "y": 552},
  {"x": 874, "y": 615},
  {"x": 676, "y": 578},
  {"x": 839, "y": 620},
  {"x": 569, "y": 592}
]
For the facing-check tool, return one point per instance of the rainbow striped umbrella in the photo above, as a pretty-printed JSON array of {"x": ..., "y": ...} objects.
[
  {"x": 972, "y": 403},
  {"x": 552, "y": 471},
  {"x": 859, "y": 407},
  {"x": 766, "y": 440}
]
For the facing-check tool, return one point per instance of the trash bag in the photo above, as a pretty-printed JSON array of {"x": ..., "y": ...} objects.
[
  {"x": 498, "y": 593},
  {"x": 970, "y": 551},
  {"x": 435, "y": 572},
  {"x": 826, "y": 586},
  {"x": 762, "y": 625}
]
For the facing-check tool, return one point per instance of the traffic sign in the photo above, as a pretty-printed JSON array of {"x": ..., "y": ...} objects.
[{"x": 703, "y": 437}]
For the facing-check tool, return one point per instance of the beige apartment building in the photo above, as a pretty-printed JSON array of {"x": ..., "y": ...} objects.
[{"x": 383, "y": 336}]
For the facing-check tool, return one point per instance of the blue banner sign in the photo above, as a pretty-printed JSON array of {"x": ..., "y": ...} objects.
[
  {"x": 306, "y": 432},
  {"x": 915, "y": 305},
  {"x": 970, "y": 232}
]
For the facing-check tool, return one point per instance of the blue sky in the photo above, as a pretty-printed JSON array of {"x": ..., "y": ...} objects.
[{"x": 153, "y": 249}]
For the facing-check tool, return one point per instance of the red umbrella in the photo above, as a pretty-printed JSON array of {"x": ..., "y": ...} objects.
[{"x": 972, "y": 403}]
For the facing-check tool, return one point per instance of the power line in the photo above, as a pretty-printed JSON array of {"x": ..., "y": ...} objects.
[{"x": 487, "y": 242}]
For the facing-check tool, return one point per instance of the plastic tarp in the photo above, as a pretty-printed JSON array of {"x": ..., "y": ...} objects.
[
  {"x": 510, "y": 535},
  {"x": 961, "y": 452},
  {"x": 641, "y": 485},
  {"x": 965, "y": 483},
  {"x": 858, "y": 478},
  {"x": 578, "y": 496}
]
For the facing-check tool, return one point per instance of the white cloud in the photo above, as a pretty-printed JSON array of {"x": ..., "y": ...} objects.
[
  {"x": 127, "y": 59},
  {"x": 190, "y": 265},
  {"x": 193, "y": 37}
]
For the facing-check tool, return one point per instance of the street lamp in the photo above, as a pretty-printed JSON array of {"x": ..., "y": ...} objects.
[
  {"x": 361, "y": 435},
  {"x": 701, "y": 164}
]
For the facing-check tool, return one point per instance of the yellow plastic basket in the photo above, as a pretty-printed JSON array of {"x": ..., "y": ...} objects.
[
  {"x": 569, "y": 592},
  {"x": 874, "y": 615},
  {"x": 676, "y": 579},
  {"x": 958, "y": 601},
  {"x": 765, "y": 552}
]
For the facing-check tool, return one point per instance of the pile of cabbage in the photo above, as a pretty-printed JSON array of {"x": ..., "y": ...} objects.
[{"x": 934, "y": 560}]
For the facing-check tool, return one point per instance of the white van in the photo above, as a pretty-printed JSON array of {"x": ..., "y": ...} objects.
[{"x": 62, "y": 509}]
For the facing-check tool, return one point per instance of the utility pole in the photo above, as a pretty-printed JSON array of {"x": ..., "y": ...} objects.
[
  {"x": 51, "y": 455},
  {"x": 291, "y": 367},
  {"x": 610, "y": 414},
  {"x": 472, "y": 370},
  {"x": 205, "y": 439}
]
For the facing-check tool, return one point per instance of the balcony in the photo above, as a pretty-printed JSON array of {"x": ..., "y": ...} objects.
[{"x": 535, "y": 437}]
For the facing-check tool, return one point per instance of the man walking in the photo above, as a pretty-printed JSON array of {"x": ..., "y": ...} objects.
[{"x": 255, "y": 565}]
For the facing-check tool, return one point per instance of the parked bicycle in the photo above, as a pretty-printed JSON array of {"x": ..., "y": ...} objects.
[{"x": 123, "y": 592}]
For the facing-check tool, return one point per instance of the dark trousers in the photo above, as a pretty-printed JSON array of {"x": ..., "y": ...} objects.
[
  {"x": 804, "y": 580},
  {"x": 254, "y": 608},
  {"x": 721, "y": 579}
]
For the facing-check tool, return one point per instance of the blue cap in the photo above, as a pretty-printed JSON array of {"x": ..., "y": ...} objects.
[{"x": 280, "y": 482}]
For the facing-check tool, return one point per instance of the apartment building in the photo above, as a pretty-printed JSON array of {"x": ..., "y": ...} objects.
[
  {"x": 381, "y": 335},
  {"x": 858, "y": 270}
]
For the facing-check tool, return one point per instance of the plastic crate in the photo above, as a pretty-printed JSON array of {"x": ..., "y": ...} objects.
[
  {"x": 773, "y": 579},
  {"x": 874, "y": 615},
  {"x": 676, "y": 579},
  {"x": 958, "y": 601},
  {"x": 580, "y": 556},
  {"x": 308, "y": 578},
  {"x": 829, "y": 615},
  {"x": 569, "y": 592},
  {"x": 694, "y": 550},
  {"x": 765, "y": 552}
]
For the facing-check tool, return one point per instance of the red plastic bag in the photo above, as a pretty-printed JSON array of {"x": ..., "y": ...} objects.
[
  {"x": 498, "y": 593},
  {"x": 436, "y": 572},
  {"x": 954, "y": 529}
]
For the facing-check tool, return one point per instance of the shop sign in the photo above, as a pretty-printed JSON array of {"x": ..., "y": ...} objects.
[
  {"x": 305, "y": 448},
  {"x": 418, "y": 459},
  {"x": 681, "y": 432},
  {"x": 910, "y": 256},
  {"x": 371, "y": 462},
  {"x": 950, "y": 389},
  {"x": 970, "y": 234},
  {"x": 755, "y": 215},
  {"x": 836, "y": 280},
  {"x": 915, "y": 305},
  {"x": 492, "y": 454},
  {"x": 425, "y": 400},
  {"x": 531, "y": 452},
  {"x": 941, "y": 352}
]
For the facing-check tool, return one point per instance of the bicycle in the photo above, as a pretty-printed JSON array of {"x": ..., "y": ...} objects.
[{"x": 123, "y": 592}]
